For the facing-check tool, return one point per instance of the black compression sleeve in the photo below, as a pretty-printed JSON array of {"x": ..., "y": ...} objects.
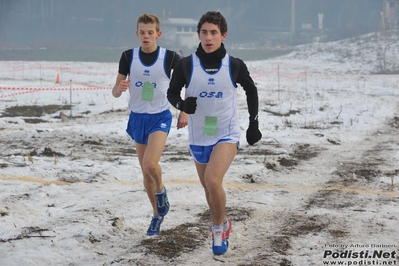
[
  {"x": 124, "y": 62},
  {"x": 176, "y": 84},
  {"x": 240, "y": 71}
]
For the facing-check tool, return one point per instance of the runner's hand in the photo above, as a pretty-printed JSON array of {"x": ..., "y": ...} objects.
[
  {"x": 253, "y": 133},
  {"x": 123, "y": 85},
  {"x": 182, "y": 120}
]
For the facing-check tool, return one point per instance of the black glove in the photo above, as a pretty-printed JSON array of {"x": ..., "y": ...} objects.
[
  {"x": 188, "y": 106},
  {"x": 253, "y": 133}
]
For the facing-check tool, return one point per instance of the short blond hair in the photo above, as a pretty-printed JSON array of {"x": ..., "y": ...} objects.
[{"x": 148, "y": 19}]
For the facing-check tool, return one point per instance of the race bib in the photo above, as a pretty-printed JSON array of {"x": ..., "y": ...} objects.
[
  {"x": 211, "y": 125},
  {"x": 148, "y": 92}
]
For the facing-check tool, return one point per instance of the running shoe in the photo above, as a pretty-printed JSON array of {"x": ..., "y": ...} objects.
[
  {"x": 162, "y": 203},
  {"x": 220, "y": 239},
  {"x": 155, "y": 225},
  {"x": 219, "y": 242}
]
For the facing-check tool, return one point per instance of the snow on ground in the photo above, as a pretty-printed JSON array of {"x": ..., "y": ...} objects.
[{"x": 321, "y": 186}]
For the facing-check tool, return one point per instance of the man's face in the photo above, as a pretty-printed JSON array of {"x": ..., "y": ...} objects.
[
  {"x": 148, "y": 35},
  {"x": 210, "y": 36}
]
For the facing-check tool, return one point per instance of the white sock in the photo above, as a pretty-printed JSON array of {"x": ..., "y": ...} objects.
[
  {"x": 217, "y": 227},
  {"x": 160, "y": 192}
]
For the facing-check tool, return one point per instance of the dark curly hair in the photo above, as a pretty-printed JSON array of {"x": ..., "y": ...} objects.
[{"x": 213, "y": 17}]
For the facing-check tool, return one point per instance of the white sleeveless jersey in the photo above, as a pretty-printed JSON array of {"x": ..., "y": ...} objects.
[
  {"x": 155, "y": 75},
  {"x": 216, "y": 98}
]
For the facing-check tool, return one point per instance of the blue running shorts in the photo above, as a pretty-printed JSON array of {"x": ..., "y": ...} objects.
[
  {"x": 140, "y": 126},
  {"x": 202, "y": 154}
]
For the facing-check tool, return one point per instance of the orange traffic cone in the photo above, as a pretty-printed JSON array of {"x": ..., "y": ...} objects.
[{"x": 57, "y": 80}]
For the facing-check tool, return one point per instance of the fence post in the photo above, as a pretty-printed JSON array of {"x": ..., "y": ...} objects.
[
  {"x": 70, "y": 99},
  {"x": 41, "y": 76},
  {"x": 306, "y": 81},
  {"x": 278, "y": 81}
]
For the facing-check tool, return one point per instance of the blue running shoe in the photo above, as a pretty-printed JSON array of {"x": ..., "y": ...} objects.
[
  {"x": 219, "y": 242},
  {"x": 162, "y": 203},
  {"x": 155, "y": 225},
  {"x": 220, "y": 239}
]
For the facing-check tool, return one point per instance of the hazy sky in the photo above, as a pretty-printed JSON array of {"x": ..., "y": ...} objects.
[{"x": 112, "y": 23}]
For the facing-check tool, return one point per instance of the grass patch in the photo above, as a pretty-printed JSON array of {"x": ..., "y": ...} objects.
[{"x": 33, "y": 110}]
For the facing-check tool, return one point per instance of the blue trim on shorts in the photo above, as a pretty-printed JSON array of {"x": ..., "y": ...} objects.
[
  {"x": 202, "y": 154},
  {"x": 140, "y": 126}
]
